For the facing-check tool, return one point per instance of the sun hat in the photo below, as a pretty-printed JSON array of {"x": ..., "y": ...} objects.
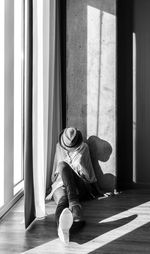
[{"x": 70, "y": 138}]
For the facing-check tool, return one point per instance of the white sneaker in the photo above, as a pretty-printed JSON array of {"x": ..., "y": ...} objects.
[{"x": 65, "y": 223}]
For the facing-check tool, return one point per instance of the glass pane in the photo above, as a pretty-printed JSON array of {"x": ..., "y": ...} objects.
[
  {"x": 18, "y": 82},
  {"x": 18, "y": 187},
  {"x": 2, "y": 104}
]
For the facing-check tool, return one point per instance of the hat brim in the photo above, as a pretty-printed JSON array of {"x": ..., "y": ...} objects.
[{"x": 70, "y": 148}]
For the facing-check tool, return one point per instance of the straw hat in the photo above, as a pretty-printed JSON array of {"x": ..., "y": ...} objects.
[{"x": 70, "y": 138}]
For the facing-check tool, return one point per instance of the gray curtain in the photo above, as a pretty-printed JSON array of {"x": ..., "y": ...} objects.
[
  {"x": 55, "y": 123},
  {"x": 37, "y": 176},
  {"x": 29, "y": 205}
]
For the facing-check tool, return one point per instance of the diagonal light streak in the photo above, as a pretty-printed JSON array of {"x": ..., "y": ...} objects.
[
  {"x": 143, "y": 217},
  {"x": 140, "y": 210}
]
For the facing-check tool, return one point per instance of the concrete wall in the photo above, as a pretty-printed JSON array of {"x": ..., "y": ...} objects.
[{"x": 91, "y": 78}]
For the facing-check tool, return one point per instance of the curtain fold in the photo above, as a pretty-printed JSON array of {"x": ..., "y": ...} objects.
[
  {"x": 55, "y": 105},
  {"x": 44, "y": 112},
  {"x": 29, "y": 208},
  {"x": 38, "y": 109}
]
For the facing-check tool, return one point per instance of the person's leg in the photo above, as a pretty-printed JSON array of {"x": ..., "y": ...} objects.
[
  {"x": 61, "y": 200},
  {"x": 63, "y": 215},
  {"x": 69, "y": 180},
  {"x": 68, "y": 177},
  {"x": 83, "y": 195},
  {"x": 84, "y": 189}
]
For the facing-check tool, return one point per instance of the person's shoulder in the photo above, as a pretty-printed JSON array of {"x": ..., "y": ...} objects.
[
  {"x": 85, "y": 145},
  {"x": 58, "y": 147},
  {"x": 85, "y": 148}
]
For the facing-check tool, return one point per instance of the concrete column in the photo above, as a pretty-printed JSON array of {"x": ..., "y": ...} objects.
[{"x": 91, "y": 74}]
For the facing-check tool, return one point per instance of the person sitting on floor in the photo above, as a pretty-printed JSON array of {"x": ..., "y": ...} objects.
[{"x": 73, "y": 180}]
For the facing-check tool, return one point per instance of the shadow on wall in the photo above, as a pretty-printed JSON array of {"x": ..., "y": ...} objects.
[{"x": 100, "y": 151}]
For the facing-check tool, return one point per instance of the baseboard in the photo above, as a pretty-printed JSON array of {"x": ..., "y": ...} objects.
[
  {"x": 132, "y": 185},
  {"x": 10, "y": 204},
  {"x": 141, "y": 185}
]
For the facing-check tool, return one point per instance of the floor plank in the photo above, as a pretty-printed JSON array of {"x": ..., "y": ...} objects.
[{"x": 117, "y": 224}]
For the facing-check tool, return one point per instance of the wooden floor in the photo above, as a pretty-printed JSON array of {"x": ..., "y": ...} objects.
[{"x": 117, "y": 224}]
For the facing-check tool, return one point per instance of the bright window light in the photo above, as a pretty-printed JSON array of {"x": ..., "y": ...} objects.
[
  {"x": 101, "y": 78},
  {"x": 101, "y": 72},
  {"x": 2, "y": 104},
  {"x": 19, "y": 187},
  {"x": 18, "y": 77},
  {"x": 93, "y": 68}
]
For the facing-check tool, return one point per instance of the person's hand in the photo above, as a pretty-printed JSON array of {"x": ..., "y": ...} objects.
[{"x": 48, "y": 197}]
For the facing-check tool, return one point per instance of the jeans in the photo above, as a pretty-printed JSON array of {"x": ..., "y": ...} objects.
[{"x": 73, "y": 191}]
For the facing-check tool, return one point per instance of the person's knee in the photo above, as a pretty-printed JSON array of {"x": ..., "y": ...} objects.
[
  {"x": 63, "y": 166},
  {"x": 58, "y": 194}
]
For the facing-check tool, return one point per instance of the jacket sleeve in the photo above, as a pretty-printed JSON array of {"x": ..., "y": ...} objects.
[{"x": 83, "y": 166}]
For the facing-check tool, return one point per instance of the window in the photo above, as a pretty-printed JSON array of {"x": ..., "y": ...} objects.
[
  {"x": 18, "y": 93},
  {"x": 11, "y": 101},
  {"x": 2, "y": 104}
]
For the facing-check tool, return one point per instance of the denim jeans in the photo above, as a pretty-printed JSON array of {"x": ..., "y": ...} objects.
[{"x": 72, "y": 193}]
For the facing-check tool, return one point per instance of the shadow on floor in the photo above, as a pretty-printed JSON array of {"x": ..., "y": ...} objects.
[
  {"x": 98, "y": 210},
  {"x": 137, "y": 241},
  {"x": 41, "y": 231},
  {"x": 92, "y": 231}
]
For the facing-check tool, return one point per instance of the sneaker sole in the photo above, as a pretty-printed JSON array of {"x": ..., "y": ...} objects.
[{"x": 65, "y": 223}]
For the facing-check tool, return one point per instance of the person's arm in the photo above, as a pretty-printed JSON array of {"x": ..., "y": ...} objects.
[
  {"x": 82, "y": 165},
  {"x": 86, "y": 165},
  {"x": 54, "y": 174},
  {"x": 85, "y": 169}
]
